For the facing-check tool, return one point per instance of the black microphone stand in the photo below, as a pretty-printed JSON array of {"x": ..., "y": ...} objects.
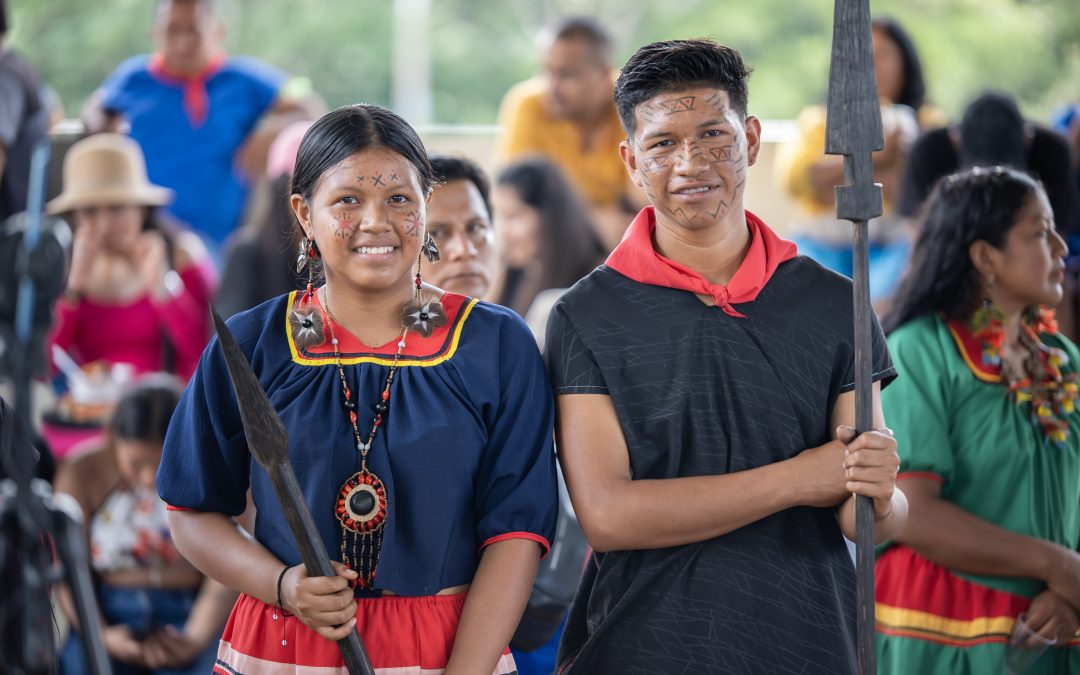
[{"x": 30, "y": 516}]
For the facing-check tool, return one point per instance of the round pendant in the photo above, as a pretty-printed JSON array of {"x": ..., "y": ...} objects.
[{"x": 361, "y": 503}]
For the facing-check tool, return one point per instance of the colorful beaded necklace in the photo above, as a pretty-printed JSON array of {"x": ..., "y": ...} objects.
[
  {"x": 361, "y": 506},
  {"x": 1041, "y": 383}
]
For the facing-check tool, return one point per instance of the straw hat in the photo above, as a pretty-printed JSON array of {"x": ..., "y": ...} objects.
[{"x": 106, "y": 169}]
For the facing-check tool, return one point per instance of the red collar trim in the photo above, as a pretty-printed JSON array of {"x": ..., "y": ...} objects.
[
  {"x": 419, "y": 351},
  {"x": 636, "y": 257},
  {"x": 196, "y": 99},
  {"x": 971, "y": 351}
]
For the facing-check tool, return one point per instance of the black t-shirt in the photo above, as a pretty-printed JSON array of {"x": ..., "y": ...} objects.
[
  {"x": 699, "y": 392},
  {"x": 1049, "y": 159}
]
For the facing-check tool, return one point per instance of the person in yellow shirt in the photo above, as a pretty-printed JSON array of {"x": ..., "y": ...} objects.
[
  {"x": 809, "y": 176},
  {"x": 567, "y": 113}
]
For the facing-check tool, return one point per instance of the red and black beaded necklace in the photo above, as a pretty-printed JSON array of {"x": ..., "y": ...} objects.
[{"x": 361, "y": 506}]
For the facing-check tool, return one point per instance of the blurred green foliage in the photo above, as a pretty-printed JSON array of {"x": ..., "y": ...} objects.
[{"x": 1030, "y": 48}]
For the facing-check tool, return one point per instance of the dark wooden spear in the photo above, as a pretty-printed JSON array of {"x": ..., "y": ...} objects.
[
  {"x": 854, "y": 131},
  {"x": 269, "y": 443}
]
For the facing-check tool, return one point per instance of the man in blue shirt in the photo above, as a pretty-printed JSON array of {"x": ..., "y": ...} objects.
[{"x": 197, "y": 114}]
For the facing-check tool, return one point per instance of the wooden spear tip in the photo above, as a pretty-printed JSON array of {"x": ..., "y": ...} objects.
[
  {"x": 219, "y": 323},
  {"x": 267, "y": 439}
]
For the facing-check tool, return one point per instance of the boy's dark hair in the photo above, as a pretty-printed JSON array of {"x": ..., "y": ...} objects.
[
  {"x": 677, "y": 65},
  {"x": 992, "y": 132},
  {"x": 584, "y": 28},
  {"x": 448, "y": 169}
]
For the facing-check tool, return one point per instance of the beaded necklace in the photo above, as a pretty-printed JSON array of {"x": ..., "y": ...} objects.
[
  {"x": 1043, "y": 384},
  {"x": 361, "y": 506},
  {"x": 1040, "y": 383}
]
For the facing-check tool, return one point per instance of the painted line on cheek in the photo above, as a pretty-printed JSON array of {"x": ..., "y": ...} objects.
[
  {"x": 724, "y": 154},
  {"x": 653, "y": 165},
  {"x": 719, "y": 207},
  {"x": 687, "y": 219}
]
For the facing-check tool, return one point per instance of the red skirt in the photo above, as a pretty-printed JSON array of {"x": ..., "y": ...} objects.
[{"x": 402, "y": 636}]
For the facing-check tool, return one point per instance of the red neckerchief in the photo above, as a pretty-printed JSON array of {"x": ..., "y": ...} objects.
[
  {"x": 636, "y": 258},
  {"x": 196, "y": 100}
]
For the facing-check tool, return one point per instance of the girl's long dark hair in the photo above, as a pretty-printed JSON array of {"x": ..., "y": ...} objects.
[
  {"x": 569, "y": 247},
  {"x": 913, "y": 90},
  {"x": 976, "y": 204}
]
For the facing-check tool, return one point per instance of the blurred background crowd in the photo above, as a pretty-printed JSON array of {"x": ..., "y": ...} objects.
[{"x": 175, "y": 124}]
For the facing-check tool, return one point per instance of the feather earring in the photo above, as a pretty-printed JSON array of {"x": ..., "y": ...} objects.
[
  {"x": 431, "y": 249},
  {"x": 306, "y": 320},
  {"x": 419, "y": 315}
]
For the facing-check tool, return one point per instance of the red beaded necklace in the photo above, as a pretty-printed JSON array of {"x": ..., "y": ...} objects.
[{"x": 361, "y": 506}]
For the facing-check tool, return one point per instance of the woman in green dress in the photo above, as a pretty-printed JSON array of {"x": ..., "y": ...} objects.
[{"x": 984, "y": 412}]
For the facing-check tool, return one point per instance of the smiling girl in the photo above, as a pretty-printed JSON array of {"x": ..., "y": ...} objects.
[{"x": 420, "y": 429}]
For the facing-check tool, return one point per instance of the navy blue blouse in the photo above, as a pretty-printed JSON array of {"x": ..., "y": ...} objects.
[{"x": 465, "y": 450}]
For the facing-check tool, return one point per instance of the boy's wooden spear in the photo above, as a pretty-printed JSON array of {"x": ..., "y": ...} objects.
[{"x": 854, "y": 131}]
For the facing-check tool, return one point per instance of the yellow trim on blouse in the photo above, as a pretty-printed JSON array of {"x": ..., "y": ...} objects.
[
  {"x": 975, "y": 370},
  {"x": 380, "y": 360}
]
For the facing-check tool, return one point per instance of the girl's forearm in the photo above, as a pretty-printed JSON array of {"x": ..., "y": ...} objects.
[
  {"x": 216, "y": 545},
  {"x": 493, "y": 609}
]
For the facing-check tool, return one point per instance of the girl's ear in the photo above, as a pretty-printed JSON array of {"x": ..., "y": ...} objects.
[{"x": 302, "y": 211}]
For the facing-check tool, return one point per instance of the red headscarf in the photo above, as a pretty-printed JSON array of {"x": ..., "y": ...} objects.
[
  {"x": 196, "y": 100},
  {"x": 636, "y": 258}
]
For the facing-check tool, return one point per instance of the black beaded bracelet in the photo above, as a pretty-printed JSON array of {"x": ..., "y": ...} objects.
[{"x": 281, "y": 577}]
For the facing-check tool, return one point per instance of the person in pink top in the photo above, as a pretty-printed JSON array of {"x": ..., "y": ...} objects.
[{"x": 137, "y": 287}]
